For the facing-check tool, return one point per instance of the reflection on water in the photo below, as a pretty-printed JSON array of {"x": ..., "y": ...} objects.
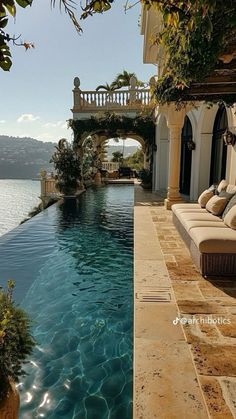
[
  {"x": 18, "y": 197},
  {"x": 81, "y": 303}
]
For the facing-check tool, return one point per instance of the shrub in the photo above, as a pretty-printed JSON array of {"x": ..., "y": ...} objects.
[{"x": 16, "y": 342}]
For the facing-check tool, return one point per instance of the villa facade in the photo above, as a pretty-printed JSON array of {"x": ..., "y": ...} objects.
[{"x": 190, "y": 151}]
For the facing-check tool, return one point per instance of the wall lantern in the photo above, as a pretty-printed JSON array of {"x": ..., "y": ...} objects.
[
  {"x": 229, "y": 138},
  {"x": 154, "y": 147},
  {"x": 191, "y": 145}
]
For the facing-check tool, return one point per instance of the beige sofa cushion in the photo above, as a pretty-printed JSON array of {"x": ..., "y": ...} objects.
[
  {"x": 190, "y": 210},
  {"x": 193, "y": 224},
  {"x": 185, "y": 205},
  {"x": 204, "y": 197},
  {"x": 216, "y": 205},
  {"x": 230, "y": 218},
  {"x": 197, "y": 217},
  {"x": 214, "y": 240},
  {"x": 222, "y": 186}
]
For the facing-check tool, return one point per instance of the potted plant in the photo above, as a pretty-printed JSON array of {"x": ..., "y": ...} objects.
[
  {"x": 67, "y": 167},
  {"x": 16, "y": 344},
  {"x": 145, "y": 175}
]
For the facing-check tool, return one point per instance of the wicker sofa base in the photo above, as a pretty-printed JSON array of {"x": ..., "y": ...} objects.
[{"x": 209, "y": 264}]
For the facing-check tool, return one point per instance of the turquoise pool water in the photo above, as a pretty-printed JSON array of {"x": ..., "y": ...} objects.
[{"x": 73, "y": 265}]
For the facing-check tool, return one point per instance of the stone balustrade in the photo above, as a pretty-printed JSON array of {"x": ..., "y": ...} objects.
[
  {"x": 131, "y": 99},
  {"x": 110, "y": 166}
]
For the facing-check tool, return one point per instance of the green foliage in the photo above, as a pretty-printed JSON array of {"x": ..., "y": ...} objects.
[
  {"x": 117, "y": 157},
  {"x": 145, "y": 176},
  {"x": 113, "y": 125},
  {"x": 135, "y": 161},
  {"x": 108, "y": 87},
  {"x": 16, "y": 342},
  {"x": 194, "y": 36},
  {"x": 67, "y": 167},
  {"x": 8, "y": 8}
]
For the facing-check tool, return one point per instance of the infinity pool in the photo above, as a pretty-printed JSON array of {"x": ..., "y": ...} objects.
[{"x": 73, "y": 267}]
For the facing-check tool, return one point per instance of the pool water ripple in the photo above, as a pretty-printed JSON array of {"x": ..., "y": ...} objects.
[{"x": 81, "y": 302}]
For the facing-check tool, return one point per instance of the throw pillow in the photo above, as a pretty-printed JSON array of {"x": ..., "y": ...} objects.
[
  {"x": 216, "y": 205},
  {"x": 204, "y": 198},
  {"x": 228, "y": 207},
  {"x": 230, "y": 218},
  {"x": 231, "y": 189},
  {"x": 222, "y": 186},
  {"x": 227, "y": 195}
]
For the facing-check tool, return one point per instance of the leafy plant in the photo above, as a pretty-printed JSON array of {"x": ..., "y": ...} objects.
[
  {"x": 8, "y": 8},
  {"x": 16, "y": 342},
  {"x": 145, "y": 176},
  {"x": 193, "y": 38},
  {"x": 117, "y": 157},
  {"x": 67, "y": 167},
  {"x": 135, "y": 161}
]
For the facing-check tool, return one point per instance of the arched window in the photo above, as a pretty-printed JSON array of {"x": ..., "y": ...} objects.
[
  {"x": 186, "y": 158},
  {"x": 218, "y": 149}
]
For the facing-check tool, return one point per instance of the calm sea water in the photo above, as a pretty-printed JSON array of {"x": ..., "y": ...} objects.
[{"x": 17, "y": 198}]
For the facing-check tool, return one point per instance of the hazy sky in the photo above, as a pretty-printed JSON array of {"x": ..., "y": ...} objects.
[{"x": 36, "y": 95}]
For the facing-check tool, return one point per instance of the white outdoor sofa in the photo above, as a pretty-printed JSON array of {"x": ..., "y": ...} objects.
[{"x": 211, "y": 242}]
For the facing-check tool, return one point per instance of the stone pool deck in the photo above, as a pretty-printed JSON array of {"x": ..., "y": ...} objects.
[{"x": 181, "y": 371}]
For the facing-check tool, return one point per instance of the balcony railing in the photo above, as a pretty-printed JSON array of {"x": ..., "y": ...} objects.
[
  {"x": 131, "y": 99},
  {"x": 110, "y": 166}
]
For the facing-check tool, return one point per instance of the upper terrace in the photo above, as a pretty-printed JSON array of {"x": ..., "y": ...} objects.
[{"x": 128, "y": 101}]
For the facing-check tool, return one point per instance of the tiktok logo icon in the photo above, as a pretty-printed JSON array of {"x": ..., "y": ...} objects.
[{"x": 176, "y": 321}]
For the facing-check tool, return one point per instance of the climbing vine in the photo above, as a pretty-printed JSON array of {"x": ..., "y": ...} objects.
[{"x": 113, "y": 126}]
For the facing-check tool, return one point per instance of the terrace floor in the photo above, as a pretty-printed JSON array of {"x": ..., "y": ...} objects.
[{"x": 183, "y": 370}]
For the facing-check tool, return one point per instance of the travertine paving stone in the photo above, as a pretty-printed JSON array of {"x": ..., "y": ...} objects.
[
  {"x": 213, "y": 346},
  {"x": 165, "y": 379},
  {"x": 204, "y": 307},
  {"x": 165, "y": 382},
  {"x": 229, "y": 391},
  {"x": 214, "y": 397},
  {"x": 213, "y": 359}
]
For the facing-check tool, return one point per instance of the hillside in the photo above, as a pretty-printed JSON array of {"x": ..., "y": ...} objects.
[
  {"x": 23, "y": 158},
  {"x": 128, "y": 151}
]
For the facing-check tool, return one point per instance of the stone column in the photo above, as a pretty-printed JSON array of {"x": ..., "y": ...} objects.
[
  {"x": 173, "y": 195},
  {"x": 175, "y": 122}
]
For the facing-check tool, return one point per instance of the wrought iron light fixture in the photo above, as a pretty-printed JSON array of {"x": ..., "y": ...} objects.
[
  {"x": 191, "y": 145},
  {"x": 229, "y": 138}
]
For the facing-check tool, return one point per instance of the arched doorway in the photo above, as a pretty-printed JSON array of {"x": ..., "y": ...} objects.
[
  {"x": 218, "y": 149},
  {"x": 186, "y": 157}
]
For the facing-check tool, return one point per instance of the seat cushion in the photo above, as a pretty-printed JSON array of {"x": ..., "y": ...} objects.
[
  {"x": 190, "y": 210},
  {"x": 184, "y": 206},
  {"x": 197, "y": 216},
  {"x": 214, "y": 240},
  {"x": 193, "y": 224}
]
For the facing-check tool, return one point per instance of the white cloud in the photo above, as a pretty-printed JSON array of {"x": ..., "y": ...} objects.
[
  {"x": 58, "y": 124},
  {"x": 27, "y": 117},
  {"x": 2, "y": 121}
]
